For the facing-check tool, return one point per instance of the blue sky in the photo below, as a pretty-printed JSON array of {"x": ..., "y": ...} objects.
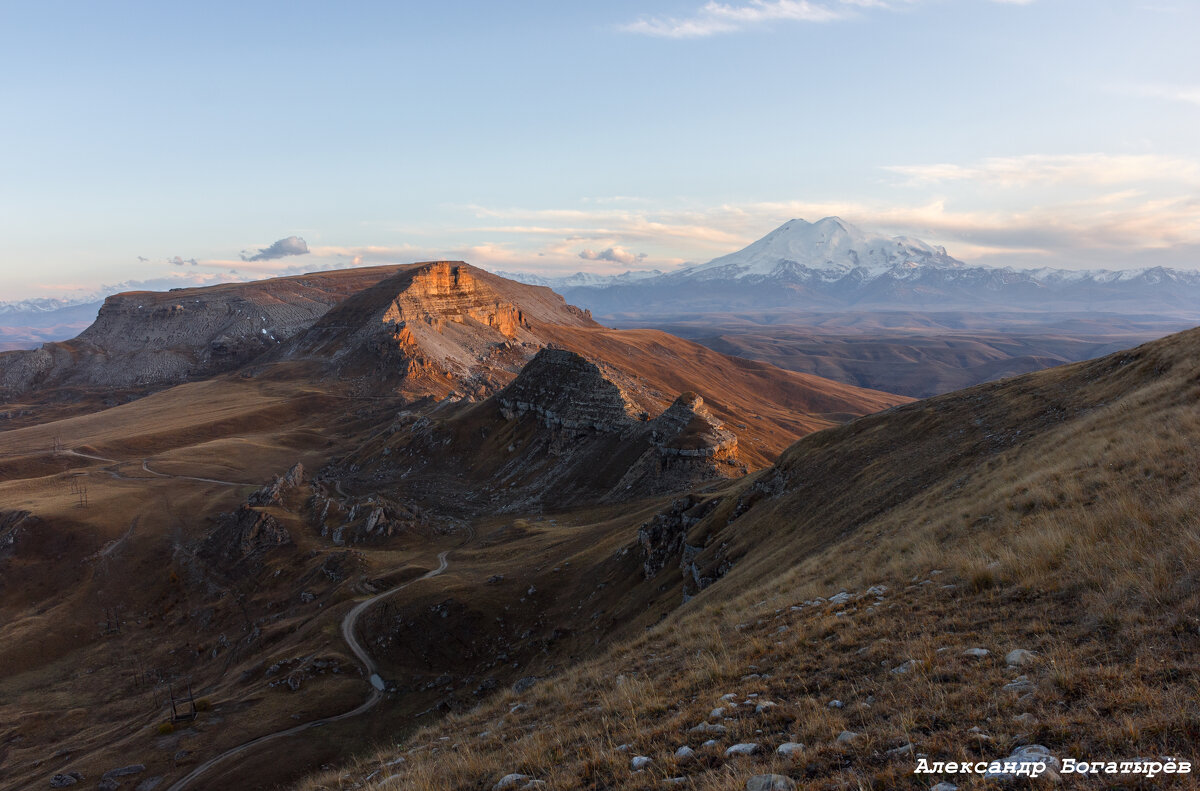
[{"x": 563, "y": 136}]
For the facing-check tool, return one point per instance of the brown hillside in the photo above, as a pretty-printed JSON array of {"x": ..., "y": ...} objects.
[
  {"x": 1054, "y": 513},
  {"x": 137, "y": 548}
]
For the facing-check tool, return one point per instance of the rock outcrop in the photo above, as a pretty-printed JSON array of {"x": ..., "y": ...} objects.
[
  {"x": 566, "y": 391},
  {"x": 435, "y": 328},
  {"x": 566, "y": 431},
  {"x": 242, "y": 539}
]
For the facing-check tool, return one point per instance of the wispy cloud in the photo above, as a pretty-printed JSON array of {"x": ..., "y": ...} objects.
[
  {"x": 713, "y": 17},
  {"x": 1187, "y": 94},
  {"x": 1035, "y": 169}
]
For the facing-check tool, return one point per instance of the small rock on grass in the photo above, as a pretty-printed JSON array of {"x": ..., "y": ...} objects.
[
  {"x": 746, "y": 748},
  {"x": 1019, "y": 657},
  {"x": 790, "y": 748},
  {"x": 685, "y": 753},
  {"x": 770, "y": 783},
  {"x": 510, "y": 781},
  {"x": 640, "y": 762}
]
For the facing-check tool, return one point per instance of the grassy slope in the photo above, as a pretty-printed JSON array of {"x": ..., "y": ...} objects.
[{"x": 1055, "y": 512}]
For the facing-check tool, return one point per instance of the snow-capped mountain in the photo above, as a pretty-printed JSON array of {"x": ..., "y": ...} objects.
[
  {"x": 579, "y": 279},
  {"x": 30, "y": 322},
  {"x": 831, "y": 265},
  {"x": 830, "y": 246}
]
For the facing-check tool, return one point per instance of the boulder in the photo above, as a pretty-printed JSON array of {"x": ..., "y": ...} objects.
[
  {"x": 745, "y": 748},
  {"x": 514, "y": 780},
  {"x": 1019, "y": 657},
  {"x": 685, "y": 753}
]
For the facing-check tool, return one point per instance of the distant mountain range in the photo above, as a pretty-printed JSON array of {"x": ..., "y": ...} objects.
[
  {"x": 830, "y": 265},
  {"x": 25, "y": 324}
]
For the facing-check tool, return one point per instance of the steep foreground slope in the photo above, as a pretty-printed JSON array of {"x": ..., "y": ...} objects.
[{"x": 956, "y": 579}]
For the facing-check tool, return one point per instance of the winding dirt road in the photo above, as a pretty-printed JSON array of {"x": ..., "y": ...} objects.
[
  {"x": 372, "y": 669},
  {"x": 145, "y": 462}
]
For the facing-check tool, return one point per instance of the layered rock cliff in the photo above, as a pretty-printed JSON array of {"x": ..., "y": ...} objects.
[{"x": 436, "y": 328}]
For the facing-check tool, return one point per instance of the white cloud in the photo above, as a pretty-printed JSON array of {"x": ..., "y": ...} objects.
[
  {"x": 1033, "y": 169},
  {"x": 617, "y": 255},
  {"x": 713, "y": 17},
  {"x": 1187, "y": 94}
]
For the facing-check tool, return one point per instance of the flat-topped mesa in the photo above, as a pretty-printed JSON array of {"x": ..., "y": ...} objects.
[
  {"x": 436, "y": 328},
  {"x": 566, "y": 390},
  {"x": 160, "y": 338}
]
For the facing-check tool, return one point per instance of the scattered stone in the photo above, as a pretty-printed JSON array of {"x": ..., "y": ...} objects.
[
  {"x": 836, "y": 704},
  {"x": 640, "y": 762},
  {"x": 708, "y": 727},
  {"x": 840, "y": 598},
  {"x": 790, "y": 748},
  {"x": 905, "y": 749},
  {"x": 976, "y": 653},
  {"x": 729, "y": 696},
  {"x": 845, "y": 737},
  {"x": 1019, "y": 657},
  {"x": 745, "y": 748},
  {"x": 524, "y": 684},
  {"x": 675, "y": 781},
  {"x": 944, "y": 787},
  {"x": 124, "y": 771},
  {"x": 624, "y": 748},
  {"x": 911, "y": 664},
  {"x": 770, "y": 783},
  {"x": 1026, "y": 721},
  {"x": 149, "y": 784},
  {"x": 111, "y": 784},
  {"x": 766, "y": 704},
  {"x": 717, "y": 713},
  {"x": 877, "y": 590},
  {"x": 65, "y": 780},
  {"x": 685, "y": 753},
  {"x": 510, "y": 781},
  {"x": 1020, "y": 684},
  {"x": 709, "y": 743},
  {"x": 1025, "y": 758}
]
